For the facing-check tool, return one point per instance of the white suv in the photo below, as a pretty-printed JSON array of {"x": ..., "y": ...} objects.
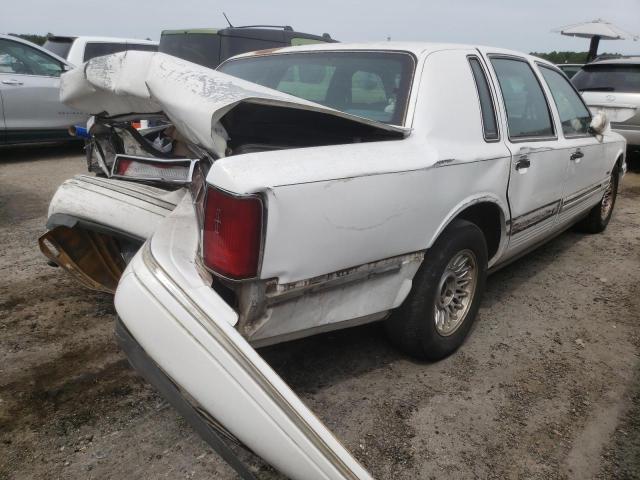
[
  {"x": 613, "y": 86},
  {"x": 77, "y": 50}
]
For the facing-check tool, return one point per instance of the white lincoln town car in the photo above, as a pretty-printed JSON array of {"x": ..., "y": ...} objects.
[{"x": 305, "y": 189}]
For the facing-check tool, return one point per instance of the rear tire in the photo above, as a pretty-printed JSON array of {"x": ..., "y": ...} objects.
[
  {"x": 600, "y": 215},
  {"x": 437, "y": 315}
]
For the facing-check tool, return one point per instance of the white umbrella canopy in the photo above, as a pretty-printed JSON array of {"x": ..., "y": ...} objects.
[{"x": 596, "y": 28}]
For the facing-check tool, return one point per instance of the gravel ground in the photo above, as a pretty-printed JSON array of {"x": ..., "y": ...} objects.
[{"x": 547, "y": 385}]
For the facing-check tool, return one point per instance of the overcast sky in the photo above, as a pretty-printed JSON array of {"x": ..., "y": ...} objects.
[{"x": 516, "y": 24}]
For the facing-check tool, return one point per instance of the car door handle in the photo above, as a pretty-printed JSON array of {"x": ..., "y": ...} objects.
[
  {"x": 12, "y": 82},
  {"x": 523, "y": 163},
  {"x": 576, "y": 156}
]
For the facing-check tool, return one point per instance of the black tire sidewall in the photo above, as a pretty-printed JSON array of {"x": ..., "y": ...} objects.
[
  {"x": 605, "y": 221},
  {"x": 414, "y": 322}
]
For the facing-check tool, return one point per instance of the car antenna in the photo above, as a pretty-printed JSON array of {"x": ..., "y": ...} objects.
[{"x": 227, "y": 19}]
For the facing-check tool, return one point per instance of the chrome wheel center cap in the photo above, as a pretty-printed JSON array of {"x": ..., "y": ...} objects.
[{"x": 455, "y": 292}]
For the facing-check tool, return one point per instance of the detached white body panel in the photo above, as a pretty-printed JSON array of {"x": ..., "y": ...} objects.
[
  {"x": 180, "y": 322},
  {"x": 131, "y": 209}
]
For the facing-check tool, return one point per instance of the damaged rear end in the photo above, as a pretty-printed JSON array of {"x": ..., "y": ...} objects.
[
  {"x": 201, "y": 116},
  {"x": 181, "y": 240}
]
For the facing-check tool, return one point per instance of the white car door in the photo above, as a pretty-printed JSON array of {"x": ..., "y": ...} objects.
[
  {"x": 587, "y": 171},
  {"x": 30, "y": 89},
  {"x": 537, "y": 166}
]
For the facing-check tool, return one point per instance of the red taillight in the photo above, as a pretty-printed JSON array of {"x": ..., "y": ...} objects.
[
  {"x": 232, "y": 234},
  {"x": 122, "y": 166}
]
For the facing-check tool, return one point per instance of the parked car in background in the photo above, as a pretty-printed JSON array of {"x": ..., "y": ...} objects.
[
  {"x": 30, "y": 107},
  {"x": 77, "y": 50},
  {"x": 211, "y": 46},
  {"x": 314, "y": 188},
  {"x": 570, "y": 69},
  {"x": 613, "y": 86}
]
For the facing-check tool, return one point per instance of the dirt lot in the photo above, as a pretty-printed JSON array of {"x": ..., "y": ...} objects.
[{"x": 547, "y": 386}]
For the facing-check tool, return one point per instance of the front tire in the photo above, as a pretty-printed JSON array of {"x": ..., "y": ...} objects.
[
  {"x": 600, "y": 215},
  {"x": 437, "y": 315}
]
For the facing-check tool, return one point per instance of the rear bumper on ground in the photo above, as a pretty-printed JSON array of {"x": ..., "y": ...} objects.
[
  {"x": 166, "y": 304},
  {"x": 168, "y": 389}
]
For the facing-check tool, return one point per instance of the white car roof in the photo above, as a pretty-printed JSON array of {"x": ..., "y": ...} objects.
[
  {"x": 417, "y": 48},
  {"x": 87, "y": 38}
]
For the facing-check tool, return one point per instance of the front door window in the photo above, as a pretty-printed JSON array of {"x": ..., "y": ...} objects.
[
  {"x": 19, "y": 59},
  {"x": 574, "y": 115}
]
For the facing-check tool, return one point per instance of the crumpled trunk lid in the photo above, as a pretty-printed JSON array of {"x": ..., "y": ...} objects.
[{"x": 194, "y": 98}]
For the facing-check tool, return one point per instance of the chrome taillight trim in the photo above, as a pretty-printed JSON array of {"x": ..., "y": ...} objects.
[{"x": 191, "y": 161}]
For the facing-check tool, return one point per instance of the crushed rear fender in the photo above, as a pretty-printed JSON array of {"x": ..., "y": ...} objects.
[{"x": 167, "y": 306}]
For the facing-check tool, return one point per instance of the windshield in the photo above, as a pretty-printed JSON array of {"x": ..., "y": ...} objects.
[
  {"x": 59, "y": 46},
  {"x": 608, "y": 78},
  {"x": 200, "y": 48},
  {"x": 373, "y": 85}
]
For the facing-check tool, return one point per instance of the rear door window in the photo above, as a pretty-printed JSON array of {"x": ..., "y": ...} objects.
[
  {"x": 574, "y": 115},
  {"x": 60, "y": 47},
  {"x": 98, "y": 49},
  {"x": 142, "y": 47},
  {"x": 18, "y": 58},
  {"x": 200, "y": 48},
  {"x": 527, "y": 109}
]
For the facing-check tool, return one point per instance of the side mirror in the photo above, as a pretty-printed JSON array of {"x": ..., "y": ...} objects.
[{"x": 599, "y": 123}]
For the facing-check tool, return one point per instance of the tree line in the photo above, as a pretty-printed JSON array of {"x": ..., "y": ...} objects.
[{"x": 570, "y": 57}]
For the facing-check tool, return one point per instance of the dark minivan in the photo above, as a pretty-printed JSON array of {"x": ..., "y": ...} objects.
[{"x": 210, "y": 46}]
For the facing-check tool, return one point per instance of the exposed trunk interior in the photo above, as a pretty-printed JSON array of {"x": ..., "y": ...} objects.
[{"x": 256, "y": 127}]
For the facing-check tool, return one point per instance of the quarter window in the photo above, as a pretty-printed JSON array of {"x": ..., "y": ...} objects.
[
  {"x": 527, "y": 109},
  {"x": 489, "y": 123},
  {"x": 574, "y": 116},
  {"x": 95, "y": 49}
]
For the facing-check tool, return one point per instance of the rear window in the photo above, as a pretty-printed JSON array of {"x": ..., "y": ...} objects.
[
  {"x": 142, "y": 47},
  {"x": 95, "y": 49},
  {"x": 200, "y": 48},
  {"x": 60, "y": 47},
  {"x": 233, "y": 45},
  {"x": 608, "y": 78},
  {"x": 98, "y": 49},
  {"x": 373, "y": 85}
]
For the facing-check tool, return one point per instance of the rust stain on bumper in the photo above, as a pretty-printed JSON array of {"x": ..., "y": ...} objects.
[{"x": 92, "y": 258}]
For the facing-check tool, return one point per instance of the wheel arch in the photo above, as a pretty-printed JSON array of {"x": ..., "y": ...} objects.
[
  {"x": 489, "y": 213},
  {"x": 620, "y": 161}
]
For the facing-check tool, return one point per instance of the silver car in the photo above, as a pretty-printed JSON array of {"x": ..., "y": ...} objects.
[
  {"x": 613, "y": 86},
  {"x": 30, "y": 107}
]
